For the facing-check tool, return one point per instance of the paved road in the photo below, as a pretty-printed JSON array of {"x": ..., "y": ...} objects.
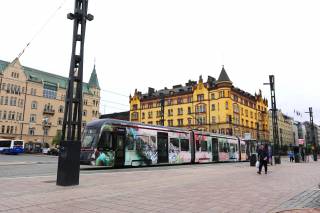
[{"x": 193, "y": 188}]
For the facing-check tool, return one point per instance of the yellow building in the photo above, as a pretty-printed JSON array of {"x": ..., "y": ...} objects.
[
  {"x": 32, "y": 102},
  {"x": 215, "y": 106}
]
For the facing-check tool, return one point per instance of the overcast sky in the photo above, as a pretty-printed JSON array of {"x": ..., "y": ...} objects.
[{"x": 146, "y": 43}]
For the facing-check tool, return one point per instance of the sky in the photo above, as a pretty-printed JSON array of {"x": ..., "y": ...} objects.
[{"x": 146, "y": 43}]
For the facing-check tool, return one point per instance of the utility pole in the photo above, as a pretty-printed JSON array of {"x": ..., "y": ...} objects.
[
  {"x": 312, "y": 135},
  {"x": 275, "y": 130},
  {"x": 69, "y": 157}
]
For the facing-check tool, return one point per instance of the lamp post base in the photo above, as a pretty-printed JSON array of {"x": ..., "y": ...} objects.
[
  {"x": 69, "y": 163},
  {"x": 277, "y": 160}
]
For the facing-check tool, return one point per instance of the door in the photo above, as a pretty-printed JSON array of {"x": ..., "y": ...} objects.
[
  {"x": 215, "y": 152},
  {"x": 119, "y": 138},
  {"x": 162, "y": 146}
]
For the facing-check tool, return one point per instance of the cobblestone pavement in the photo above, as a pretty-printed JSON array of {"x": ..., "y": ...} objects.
[
  {"x": 309, "y": 199},
  {"x": 197, "y": 188}
]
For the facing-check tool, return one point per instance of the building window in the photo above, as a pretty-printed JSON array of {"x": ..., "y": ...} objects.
[
  {"x": 189, "y": 121},
  {"x": 214, "y": 119},
  {"x": 201, "y": 108},
  {"x": 34, "y": 105},
  {"x": 45, "y": 131},
  {"x": 169, "y": 102},
  {"x": 180, "y": 122},
  {"x": 170, "y": 122},
  {"x": 84, "y": 112},
  {"x": 200, "y": 97},
  {"x": 150, "y": 115},
  {"x": 6, "y": 100},
  {"x": 60, "y": 109},
  {"x": 180, "y": 111},
  {"x": 32, "y": 118},
  {"x": 189, "y": 99},
  {"x": 189, "y": 110},
  {"x": 213, "y": 107},
  {"x": 150, "y": 105},
  {"x": 227, "y": 105},
  {"x": 3, "y": 129},
  {"x": 33, "y": 92},
  {"x": 246, "y": 112},
  {"x": 180, "y": 101},
  {"x": 31, "y": 131},
  {"x": 213, "y": 96},
  {"x": 1, "y": 100},
  {"x": 201, "y": 120},
  {"x": 84, "y": 123},
  {"x": 134, "y": 116},
  {"x": 143, "y": 115},
  {"x": 221, "y": 94},
  {"x": 8, "y": 129},
  {"x": 170, "y": 112},
  {"x": 51, "y": 94},
  {"x": 60, "y": 121},
  {"x": 135, "y": 107}
]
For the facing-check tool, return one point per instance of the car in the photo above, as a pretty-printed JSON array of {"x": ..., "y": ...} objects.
[
  {"x": 53, "y": 151},
  {"x": 45, "y": 150}
]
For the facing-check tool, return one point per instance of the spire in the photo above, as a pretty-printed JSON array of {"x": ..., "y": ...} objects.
[
  {"x": 223, "y": 76},
  {"x": 93, "y": 82}
]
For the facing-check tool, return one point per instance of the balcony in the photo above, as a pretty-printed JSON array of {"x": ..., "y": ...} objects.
[
  {"x": 48, "y": 111},
  {"x": 47, "y": 125}
]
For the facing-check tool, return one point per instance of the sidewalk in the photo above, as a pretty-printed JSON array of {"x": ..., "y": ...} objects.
[{"x": 198, "y": 188}]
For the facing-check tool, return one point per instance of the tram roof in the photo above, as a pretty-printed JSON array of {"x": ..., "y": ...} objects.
[{"x": 100, "y": 122}]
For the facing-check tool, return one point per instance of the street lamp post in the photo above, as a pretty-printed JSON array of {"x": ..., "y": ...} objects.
[{"x": 275, "y": 129}]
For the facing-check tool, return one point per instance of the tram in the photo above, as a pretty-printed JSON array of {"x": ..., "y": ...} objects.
[{"x": 117, "y": 143}]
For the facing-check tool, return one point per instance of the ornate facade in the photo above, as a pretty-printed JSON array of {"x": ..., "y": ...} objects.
[
  {"x": 215, "y": 106},
  {"x": 32, "y": 102}
]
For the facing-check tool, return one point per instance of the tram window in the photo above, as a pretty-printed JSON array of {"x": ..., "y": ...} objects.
[
  {"x": 197, "y": 145},
  {"x": 233, "y": 148},
  {"x": 184, "y": 144},
  {"x": 226, "y": 147},
  {"x": 221, "y": 147},
  {"x": 139, "y": 144},
  {"x": 130, "y": 143},
  {"x": 243, "y": 148},
  {"x": 105, "y": 141},
  {"x": 204, "y": 146},
  {"x": 175, "y": 142}
]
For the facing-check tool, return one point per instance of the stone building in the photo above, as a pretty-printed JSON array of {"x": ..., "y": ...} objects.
[
  {"x": 32, "y": 102},
  {"x": 285, "y": 129}
]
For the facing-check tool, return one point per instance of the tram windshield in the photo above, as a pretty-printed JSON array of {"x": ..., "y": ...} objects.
[{"x": 89, "y": 137}]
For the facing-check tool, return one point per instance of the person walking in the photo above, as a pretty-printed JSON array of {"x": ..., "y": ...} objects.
[
  {"x": 263, "y": 159},
  {"x": 290, "y": 155}
]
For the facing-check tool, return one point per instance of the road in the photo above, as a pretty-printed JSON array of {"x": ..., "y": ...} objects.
[{"x": 30, "y": 165}]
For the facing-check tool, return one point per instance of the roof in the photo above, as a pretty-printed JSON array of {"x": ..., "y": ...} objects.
[
  {"x": 93, "y": 82},
  {"x": 223, "y": 76},
  {"x": 42, "y": 77}
]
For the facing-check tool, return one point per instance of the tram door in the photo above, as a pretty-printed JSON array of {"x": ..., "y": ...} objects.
[
  {"x": 215, "y": 152},
  {"x": 119, "y": 139},
  {"x": 162, "y": 146}
]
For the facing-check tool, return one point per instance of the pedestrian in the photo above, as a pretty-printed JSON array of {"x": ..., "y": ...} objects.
[
  {"x": 263, "y": 159},
  {"x": 302, "y": 154},
  {"x": 290, "y": 155}
]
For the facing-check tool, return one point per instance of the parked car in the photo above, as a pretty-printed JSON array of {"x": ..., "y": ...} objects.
[{"x": 53, "y": 151}]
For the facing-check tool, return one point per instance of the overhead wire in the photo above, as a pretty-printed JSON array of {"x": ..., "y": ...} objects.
[{"x": 42, "y": 27}]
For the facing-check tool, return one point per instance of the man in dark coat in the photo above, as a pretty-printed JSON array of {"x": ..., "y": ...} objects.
[{"x": 263, "y": 159}]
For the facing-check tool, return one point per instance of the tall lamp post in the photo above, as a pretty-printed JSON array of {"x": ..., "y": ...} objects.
[
  {"x": 69, "y": 156},
  {"x": 312, "y": 135},
  {"x": 275, "y": 129}
]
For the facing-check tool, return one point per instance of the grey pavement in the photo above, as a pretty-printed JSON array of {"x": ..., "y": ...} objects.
[{"x": 195, "y": 188}]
